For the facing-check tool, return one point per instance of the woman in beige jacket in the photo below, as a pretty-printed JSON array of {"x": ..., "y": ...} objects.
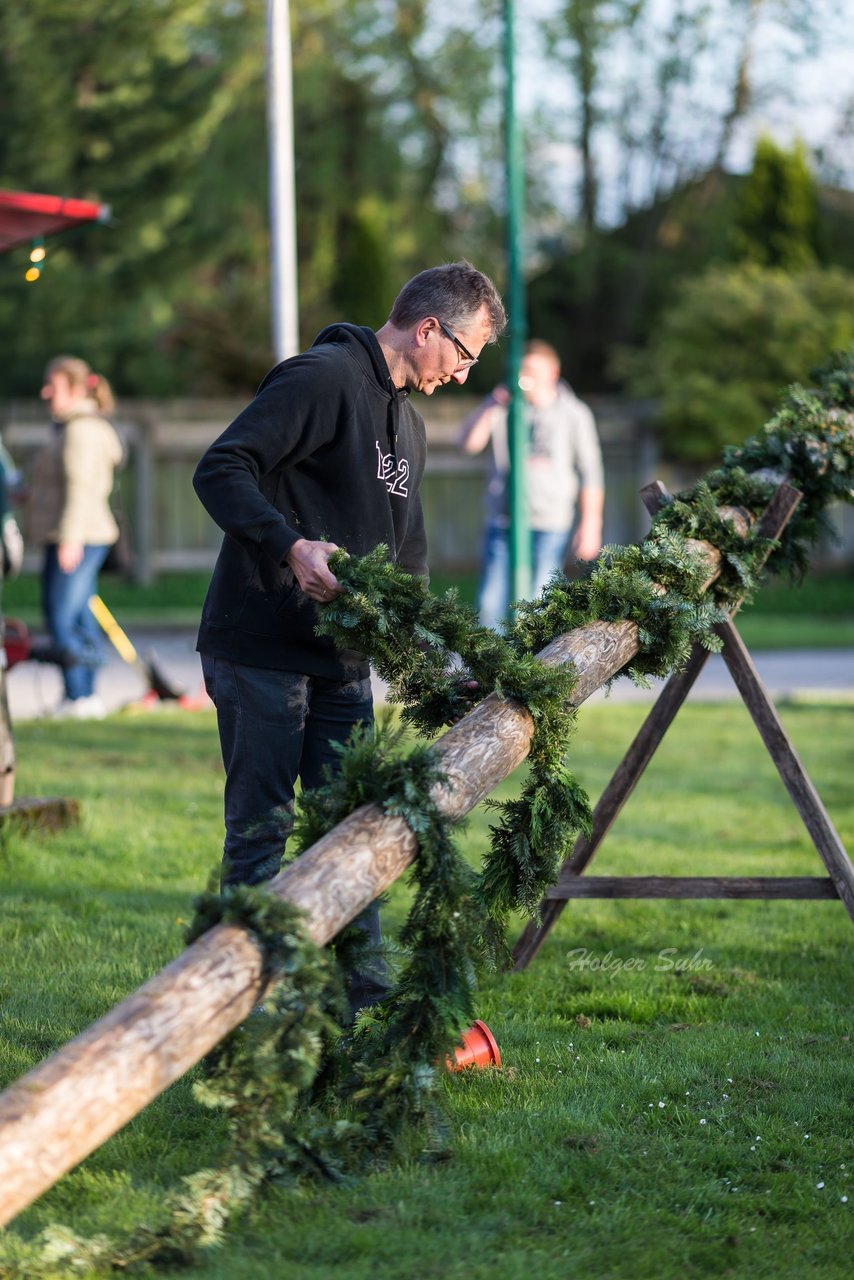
[{"x": 70, "y": 516}]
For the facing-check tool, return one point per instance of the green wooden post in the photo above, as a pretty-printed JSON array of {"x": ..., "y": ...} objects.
[{"x": 520, "y": 541}]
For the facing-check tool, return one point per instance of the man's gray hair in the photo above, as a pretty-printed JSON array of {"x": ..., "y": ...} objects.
[{"x": 453, "y": 293}]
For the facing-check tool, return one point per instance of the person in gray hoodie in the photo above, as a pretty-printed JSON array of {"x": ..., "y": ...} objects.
[
  {"x": 329, "y": 454},
  {"x": 563, "y": 479}
]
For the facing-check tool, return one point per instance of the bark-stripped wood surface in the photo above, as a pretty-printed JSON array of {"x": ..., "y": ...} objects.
[{"x": 67, "y": 1106}]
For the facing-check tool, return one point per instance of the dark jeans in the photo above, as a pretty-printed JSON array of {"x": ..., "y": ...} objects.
[
  {"x": 69, "y": 620},
  {"x": 275, "y": 727}
]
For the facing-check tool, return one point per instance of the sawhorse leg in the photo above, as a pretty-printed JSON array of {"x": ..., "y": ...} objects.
[{"x": 771, "y": 524}]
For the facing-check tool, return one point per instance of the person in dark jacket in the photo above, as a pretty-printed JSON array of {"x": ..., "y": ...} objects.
[{"x": 329, "y": 454}]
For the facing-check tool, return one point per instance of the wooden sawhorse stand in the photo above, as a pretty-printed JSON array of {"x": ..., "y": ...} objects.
[{"x": 572, "y": 883}]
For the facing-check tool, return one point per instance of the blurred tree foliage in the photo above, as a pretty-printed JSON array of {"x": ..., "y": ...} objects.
[
  {"x": 158, "y": 108},
  {"x": 776, "y": 218},
  {"x": 734, "y": 335},
  {"x": 154, "y": 109},
  {"x": 658, "y": 95},
  {"x": 732, "y": 340}
]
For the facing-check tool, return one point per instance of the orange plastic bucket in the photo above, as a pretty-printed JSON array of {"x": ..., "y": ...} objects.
[{"x": 478, "y": 1049}]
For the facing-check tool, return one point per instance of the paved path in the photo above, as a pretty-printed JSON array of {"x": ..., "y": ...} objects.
[
  {"x": 785, "y": 673},
  {"x": 34, "y": 689}
]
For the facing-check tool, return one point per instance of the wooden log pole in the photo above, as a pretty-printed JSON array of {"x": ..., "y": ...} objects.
[{"x": 66, "y": 1107}]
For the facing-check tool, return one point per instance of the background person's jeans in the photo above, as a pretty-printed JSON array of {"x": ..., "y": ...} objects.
[
  {"x": 275, "y": 727},
  {"x": 548, "y": 549},
  {"x": 69, "y": 620}
]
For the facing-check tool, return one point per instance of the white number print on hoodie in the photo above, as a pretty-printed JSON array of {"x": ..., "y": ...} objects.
[{"x": 394, "y": 471}]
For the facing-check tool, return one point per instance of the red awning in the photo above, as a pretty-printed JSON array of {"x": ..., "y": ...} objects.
[{"x": 24, "y": 216}]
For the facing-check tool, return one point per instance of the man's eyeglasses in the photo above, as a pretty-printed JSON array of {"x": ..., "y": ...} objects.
[{"x": 468, "y": 360}]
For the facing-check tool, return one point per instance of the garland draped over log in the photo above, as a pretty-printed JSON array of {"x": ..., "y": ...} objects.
[{"x": 438, "y": 661}]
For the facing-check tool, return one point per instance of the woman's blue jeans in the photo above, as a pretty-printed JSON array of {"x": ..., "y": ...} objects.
[
  {"x": 69, "y": 620},
  {"x": 275, "y": 727}
]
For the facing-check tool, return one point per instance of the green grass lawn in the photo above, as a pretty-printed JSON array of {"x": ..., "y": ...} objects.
[
  {"x": 817, "y": 614},
  {"x": 675, "y": 1099},
  {"x": 173, "y": 599}
]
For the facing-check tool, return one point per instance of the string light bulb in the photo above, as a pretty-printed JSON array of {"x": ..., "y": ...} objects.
[{"x": 38, "y": 253}]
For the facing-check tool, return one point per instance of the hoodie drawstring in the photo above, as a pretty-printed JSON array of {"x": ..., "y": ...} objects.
[{"x": 392, "y": 423}]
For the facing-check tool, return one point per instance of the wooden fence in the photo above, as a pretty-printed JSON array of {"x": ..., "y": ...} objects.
[{"x": 170, "y": 531}]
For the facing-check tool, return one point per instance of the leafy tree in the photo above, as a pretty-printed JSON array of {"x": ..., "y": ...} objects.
[
  {"x": 660, "y": 93},
  {"x": 134, "y": 104},
  {"x": 659, "y": 96},
  {"x": 733, "y": 339},
  {"x": 776, "y": 219},
  {"x": 158, "y": 108}
]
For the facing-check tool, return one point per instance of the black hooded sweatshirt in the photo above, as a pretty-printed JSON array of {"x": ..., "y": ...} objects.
[{"x": 328, "y": 449}]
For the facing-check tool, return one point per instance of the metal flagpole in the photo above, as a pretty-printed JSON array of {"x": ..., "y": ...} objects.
[
  {"x": 280, "y": 131},
  {"x": 520, "y": 542}
]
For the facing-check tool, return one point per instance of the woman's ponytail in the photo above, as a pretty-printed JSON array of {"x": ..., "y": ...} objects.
[{"x": 80, "y": 374}]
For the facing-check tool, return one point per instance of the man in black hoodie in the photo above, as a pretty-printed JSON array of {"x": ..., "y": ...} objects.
[{"x": 329, "y": 454}]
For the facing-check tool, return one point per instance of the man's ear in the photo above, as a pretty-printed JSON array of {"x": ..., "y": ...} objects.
[{"x": 423, "y": 329}]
